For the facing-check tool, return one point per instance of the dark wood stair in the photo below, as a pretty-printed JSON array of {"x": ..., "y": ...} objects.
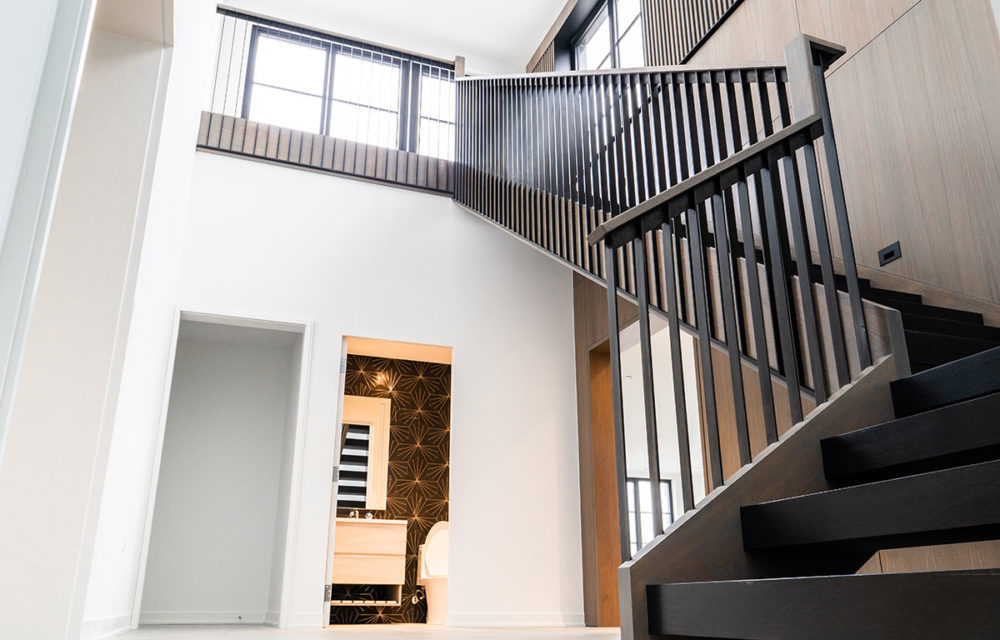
[
  {"x": 959, "y": 434},
  {"x": 928, "y": 477},
  {"x": 960, "y": 604}
]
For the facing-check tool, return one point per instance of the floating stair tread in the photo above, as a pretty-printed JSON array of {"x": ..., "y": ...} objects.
[
  {"x": 937, "y": 348},
  {"x": 937, "y": 435},
  {"x": 951, "y": 327},
  {"x": 930, "y": 311},
  {"x": 942, "y": 506},
  {"x": 961, "y": 604},
  {"x": 956, "y": 381}
]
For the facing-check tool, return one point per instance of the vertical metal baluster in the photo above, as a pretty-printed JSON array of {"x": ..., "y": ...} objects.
[
  {"x": 843, "y": 222},
  {"x": 777, "y": 248},
  {"x": 616, "y": 399},
  {"x": 803, "y": 262},
  {"x": 696, "y": 247},
  {"x": 648, "y": 395},
  {"x": 680, "y": 400},
  {"x": 594, "y": 157},
  {"x": 826, "y": 265},
  {"x": 726, "y": 289},
  {"x": 757, "y": 313}
]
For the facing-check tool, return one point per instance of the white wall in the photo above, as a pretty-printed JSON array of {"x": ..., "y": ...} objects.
[
  {"x": 634, "y": 410},
  {"x": 364, "y": 259},
  {"x": 211, "y": 550},
  {"x": 57, "y": 440},
  {"x": 123, "y": 510}
]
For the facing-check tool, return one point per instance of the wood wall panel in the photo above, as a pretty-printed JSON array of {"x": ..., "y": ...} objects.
[
  {"x": 547, "y": 62},
  {"x": 673, "y": 28},
  {"x": 227, "y": 134},
  {"x": 913, "y": 102}
]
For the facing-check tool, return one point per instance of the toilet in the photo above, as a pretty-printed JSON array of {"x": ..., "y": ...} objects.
[{"x": 432, "y": 574}]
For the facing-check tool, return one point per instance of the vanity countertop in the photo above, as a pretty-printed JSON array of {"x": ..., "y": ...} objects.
[{"x": 372, "y": 521}]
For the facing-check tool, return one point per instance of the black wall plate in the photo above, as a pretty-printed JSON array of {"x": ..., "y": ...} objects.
[{"x": 888, "y": 254}]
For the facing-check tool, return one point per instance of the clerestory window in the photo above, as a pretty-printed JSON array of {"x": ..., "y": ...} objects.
[
  {"x": 612, "y": 38},
  {"x": 314, "y": 82}
]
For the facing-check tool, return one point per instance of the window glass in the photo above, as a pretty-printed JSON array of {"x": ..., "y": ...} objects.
[
  {"x": 297, "y": 66},
  {"x": 630, "y": 48},
  {"x": 288, "y": 81},
  {"x": 365, "y": 104},
  {"x": 594, "y": 51},
  {"x": 628, "y": 11},
  {"x": 436, "y": 134},
  {"x": 286, "y": 109}
]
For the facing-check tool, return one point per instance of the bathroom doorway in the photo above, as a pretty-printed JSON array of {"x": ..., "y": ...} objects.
[{"x": 389, "y": 552}]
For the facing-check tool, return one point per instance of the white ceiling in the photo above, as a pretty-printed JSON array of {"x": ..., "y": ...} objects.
[
  {"x": 143, "y": 19},
  {"x": 495, "y": 36}
]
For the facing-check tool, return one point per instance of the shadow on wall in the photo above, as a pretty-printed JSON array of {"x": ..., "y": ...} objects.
[{"x": 419, "y": 441}]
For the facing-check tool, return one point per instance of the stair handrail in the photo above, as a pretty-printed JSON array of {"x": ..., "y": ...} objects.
[{"x": 720, "y": 197}]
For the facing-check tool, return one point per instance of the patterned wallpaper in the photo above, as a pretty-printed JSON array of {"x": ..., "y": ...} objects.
[{"x": 419, "y": 439}]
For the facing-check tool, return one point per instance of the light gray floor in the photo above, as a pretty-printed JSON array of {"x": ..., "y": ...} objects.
[{"x": 362, "y": 632}]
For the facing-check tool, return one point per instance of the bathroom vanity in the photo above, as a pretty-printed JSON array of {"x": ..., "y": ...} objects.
[{"x": 369, "y": 553}]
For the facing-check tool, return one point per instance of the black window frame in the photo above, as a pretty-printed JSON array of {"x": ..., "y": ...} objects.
[
  {"x": 607, "y": 9},
  {"x": 412, "y": 68},
  {"x": 666, "y": 508}
]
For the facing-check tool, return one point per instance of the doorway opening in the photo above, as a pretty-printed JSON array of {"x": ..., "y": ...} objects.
[
  {"x": 217, "y": 550},
  {"x": 389, "y": 544}
]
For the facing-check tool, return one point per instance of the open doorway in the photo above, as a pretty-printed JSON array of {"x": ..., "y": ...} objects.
[
  {"x": 217, "y": 549},
  {"x": 389, "y": 536}
]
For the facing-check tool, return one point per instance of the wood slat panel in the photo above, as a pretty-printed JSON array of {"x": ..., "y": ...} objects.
[{"x": 228, "y": 134}]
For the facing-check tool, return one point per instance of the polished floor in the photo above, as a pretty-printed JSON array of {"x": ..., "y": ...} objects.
[{"x": 365, "y": 632}]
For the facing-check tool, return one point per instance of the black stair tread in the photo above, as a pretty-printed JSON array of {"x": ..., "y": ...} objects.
[
  {"x": 963, "y": 379},
  {"x": 952, "y": 505},
  {"x": 353, "y": 475},
  {"x": 950, "y": 327},
  {"x": 352, "y": 459},
  {"x": 877, "y": 295},
  {"x": 940, "y": 604},
  {"x": 343, "y": 490},
  {"x": 961, "y": 433},
  {"x": 934, "y": 312},
  {"x": 936, "y": 348}
]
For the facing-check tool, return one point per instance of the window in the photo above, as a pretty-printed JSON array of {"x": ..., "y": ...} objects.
[
  {"x": 365, "y": 99},
  {"x": 288, "y": 81},
  {"x": 436, "y": 133},
  {"x": 612, "y": 37},
  {"x": 310, "y": 81},
  {"x": 641, "y": 521}
]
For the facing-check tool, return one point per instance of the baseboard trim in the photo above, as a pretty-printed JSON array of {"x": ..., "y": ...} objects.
[
  {"x": 101, "y": 628},
  {"x": 272, "y": 619},
  {"x": 305, "y": 621},
  {"x": 202, "y": 617},
  {"x": 504, "y": 620}
]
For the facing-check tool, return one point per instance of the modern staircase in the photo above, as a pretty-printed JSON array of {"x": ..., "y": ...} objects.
[
  {"x": 929, "y": 477},
  {"x": 713, "y": 198}
]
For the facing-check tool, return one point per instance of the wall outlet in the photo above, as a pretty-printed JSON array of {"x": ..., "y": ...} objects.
[{"x": 890, "y": 253}]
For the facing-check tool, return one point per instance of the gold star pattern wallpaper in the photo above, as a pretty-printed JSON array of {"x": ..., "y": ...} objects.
[{"x": 419, "y": 437}]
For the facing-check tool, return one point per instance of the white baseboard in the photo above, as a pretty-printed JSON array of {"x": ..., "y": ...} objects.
[
  {"x": 202, "y": 617},
  {"x": 308, "y": 620},
  {"x": 272, "y": 619},
  {"x": 101, "y": 628},
  {"x": 516, "y": 620}
]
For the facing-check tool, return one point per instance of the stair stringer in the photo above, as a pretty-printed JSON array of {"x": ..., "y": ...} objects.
[{"x": 706, "y": 543}]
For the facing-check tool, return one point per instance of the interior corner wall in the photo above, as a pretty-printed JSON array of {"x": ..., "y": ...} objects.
[
  {"x": 217, "y": 502},
  {"x": 913, "y": 105},
  {"x": 58, "y": 434},
  {"x": 363, "y": 259},
  {"x": 115, "y": 569}
]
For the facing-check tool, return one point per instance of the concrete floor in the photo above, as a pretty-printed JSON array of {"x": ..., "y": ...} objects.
[{"x": 363, "y": 632}]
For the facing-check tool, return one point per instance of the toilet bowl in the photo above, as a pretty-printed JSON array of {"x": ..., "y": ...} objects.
[{"x": 432, "y": 573}]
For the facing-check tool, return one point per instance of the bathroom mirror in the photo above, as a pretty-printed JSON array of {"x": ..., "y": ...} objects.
[{"x": 363, "y": 467}]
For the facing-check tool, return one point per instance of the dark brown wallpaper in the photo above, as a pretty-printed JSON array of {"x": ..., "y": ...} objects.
[{"x": 418, "y": 463}]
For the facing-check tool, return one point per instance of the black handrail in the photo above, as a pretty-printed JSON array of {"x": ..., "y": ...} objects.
[{"x": 752, "y": 198}]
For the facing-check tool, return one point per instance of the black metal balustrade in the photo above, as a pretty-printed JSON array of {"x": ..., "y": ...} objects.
[
  {"x": 695, "y": 194},
  {"x": 552, "y": 156}
]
